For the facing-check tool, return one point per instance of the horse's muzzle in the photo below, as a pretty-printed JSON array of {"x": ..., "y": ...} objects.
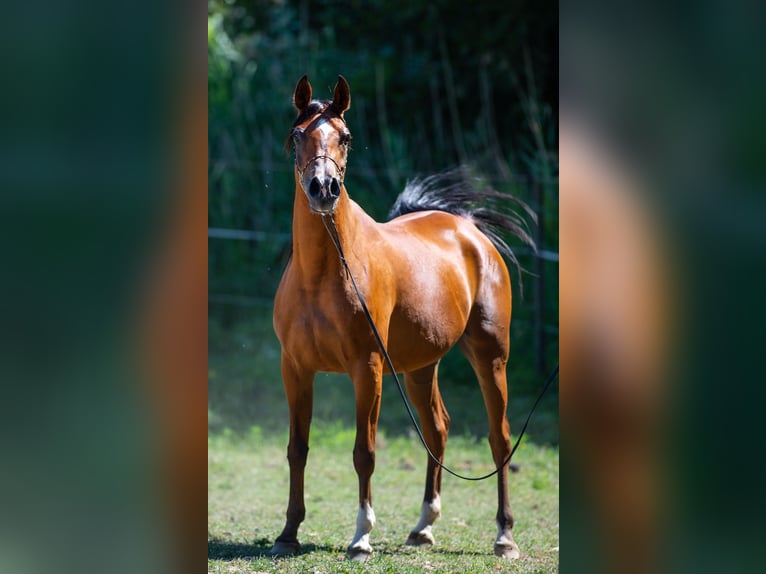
[{"x": 323, "y": 194}]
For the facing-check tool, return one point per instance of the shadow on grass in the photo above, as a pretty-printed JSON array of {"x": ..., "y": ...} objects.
[
  {"x": 402, "y": 550},
  {"x": 218, "y": 549}
]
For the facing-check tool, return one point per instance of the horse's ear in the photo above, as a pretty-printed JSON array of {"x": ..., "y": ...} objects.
[
  {"x": 341, "y": 100},
  {"x": 302, "y": 95}
]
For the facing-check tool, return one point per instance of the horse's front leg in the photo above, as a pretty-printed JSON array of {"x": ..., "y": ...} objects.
[
  {"x": 299, "y": 388},
  {"x": 367, "y": 379}
]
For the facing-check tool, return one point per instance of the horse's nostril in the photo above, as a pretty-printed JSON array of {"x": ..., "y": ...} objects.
[
  {"x": 334, "y": 187},
  {"x": 314, "y": 187}
]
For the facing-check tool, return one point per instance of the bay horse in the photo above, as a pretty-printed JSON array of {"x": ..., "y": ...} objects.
[{"x": 432, "y": 277}]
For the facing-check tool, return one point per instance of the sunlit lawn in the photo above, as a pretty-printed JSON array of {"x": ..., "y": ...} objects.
[
  {"x": 248, "y": 485},
  {"x": 248, "y": 474}
]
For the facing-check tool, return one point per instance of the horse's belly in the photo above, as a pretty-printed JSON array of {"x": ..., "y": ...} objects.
[
  {"x": 326, "y": 333},
  {"x": 415, "y": 342}
]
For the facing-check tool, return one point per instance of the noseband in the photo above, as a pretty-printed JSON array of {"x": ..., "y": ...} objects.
[{"x": 341, "y": 170}]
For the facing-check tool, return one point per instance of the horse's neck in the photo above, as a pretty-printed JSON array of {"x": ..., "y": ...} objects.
[{"x": 313, "y": 250}]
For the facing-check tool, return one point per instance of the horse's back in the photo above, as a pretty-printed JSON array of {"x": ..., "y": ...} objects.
[
  {"x": 452, "y": 240},
  {"x": 449, "y": 272}
]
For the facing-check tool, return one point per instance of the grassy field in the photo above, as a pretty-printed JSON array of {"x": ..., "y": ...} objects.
[
  {"x": 248, "y": 473},
  {"x": 248, "y": 481}
]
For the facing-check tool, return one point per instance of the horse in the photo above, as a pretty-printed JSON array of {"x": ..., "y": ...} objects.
[{"x": 433, "y": 277}]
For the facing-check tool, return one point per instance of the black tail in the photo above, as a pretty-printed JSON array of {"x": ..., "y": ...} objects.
[{"x": 457, "y": 192}]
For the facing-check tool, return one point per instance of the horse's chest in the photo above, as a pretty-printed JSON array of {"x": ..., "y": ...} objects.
[{"x": 316, "y": 327}]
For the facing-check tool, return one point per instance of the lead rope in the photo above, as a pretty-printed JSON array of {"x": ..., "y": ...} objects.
[{"x": 335, "y": 237}]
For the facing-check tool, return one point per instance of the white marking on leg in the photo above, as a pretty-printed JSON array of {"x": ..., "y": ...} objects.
[
  {"x": 365, "y": 522},
  {"x": 429, "y": 512},
  {"x": 505, "y": 546},
  {"x": 503, "y": 535}
]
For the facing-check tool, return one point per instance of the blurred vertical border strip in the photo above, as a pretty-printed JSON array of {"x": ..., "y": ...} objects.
[
  {"x": 175, "y": 318},
  {"x": 103, "y": 287},
  {"x": 663, "y": 132}
]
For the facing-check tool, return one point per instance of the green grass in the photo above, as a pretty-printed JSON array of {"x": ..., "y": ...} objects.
[
  {"x": 247, "y": 497},
  {"x": 248, "y": 471}
]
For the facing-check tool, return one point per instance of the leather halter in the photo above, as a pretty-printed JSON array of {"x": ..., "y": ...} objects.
[{"x": 341, "y": 170}]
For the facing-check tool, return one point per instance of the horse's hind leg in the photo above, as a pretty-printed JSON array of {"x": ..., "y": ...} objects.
[
  {"x": 487, "y": 351},
  {"x": 299, "y": 388},
  {"x": 423, "y": 390}
]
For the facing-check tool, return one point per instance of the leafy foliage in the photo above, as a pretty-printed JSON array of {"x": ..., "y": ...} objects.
[{"x": 434, "y": 85}]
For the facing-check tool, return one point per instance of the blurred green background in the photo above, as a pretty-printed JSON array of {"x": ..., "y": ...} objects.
[{"x": 433, "y": 85}]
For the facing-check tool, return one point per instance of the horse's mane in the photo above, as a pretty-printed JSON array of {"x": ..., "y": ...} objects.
[
  {"x": 315, "y": 107},
  {"x": 456, "y": 191}
]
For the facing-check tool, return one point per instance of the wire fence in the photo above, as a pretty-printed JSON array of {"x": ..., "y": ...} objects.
[
  {"x": 254, "y": 235},
  {"x": 542, "y": 331}
]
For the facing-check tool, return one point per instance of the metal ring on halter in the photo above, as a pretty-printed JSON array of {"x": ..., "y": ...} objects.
[{"x": 341, "y": 170}]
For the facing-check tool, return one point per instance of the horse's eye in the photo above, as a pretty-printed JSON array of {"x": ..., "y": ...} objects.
[
  {"x": 296, "y": 135},
  {"x": 345, "y": 139}
]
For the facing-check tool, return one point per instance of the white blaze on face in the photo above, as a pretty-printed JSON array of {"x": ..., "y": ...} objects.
[{"x": 322, "y": 168}]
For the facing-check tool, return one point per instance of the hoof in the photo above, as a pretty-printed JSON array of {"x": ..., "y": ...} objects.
[
  {"x": 422, "y": 538},
  {"x": 358, "y": 554},
  {"x": 282, "y": 548},
  {"x": 508, "y": 550}
]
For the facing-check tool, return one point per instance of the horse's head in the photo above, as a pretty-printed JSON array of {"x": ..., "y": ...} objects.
[{"x": 321, "y": 140}]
